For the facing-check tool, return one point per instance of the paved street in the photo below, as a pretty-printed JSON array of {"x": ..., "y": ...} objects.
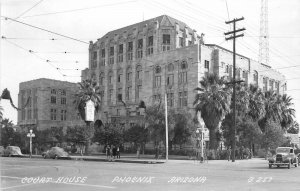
[{"x": 49, "y": 174}]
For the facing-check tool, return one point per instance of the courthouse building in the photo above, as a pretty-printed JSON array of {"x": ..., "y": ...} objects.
[
  {"x": 146, "y": 60},
  {"x": 49, "y": 104}
]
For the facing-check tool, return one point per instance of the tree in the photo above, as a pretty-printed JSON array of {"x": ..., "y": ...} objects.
[
  {"x": 294, "y": 128},
  {"x": 256, "y": 103},
  {"x": 137, "y": 134},
  {"x": 183, "y": 128},
  {"x": 8, "y": 134},
  {"x": 213, "y": 103},
  {"x": 109, "y": 134},
  {"x": 155, "y": 122},
  {"x": 273, "y": 136},
  {"x": 88, "y": 91},
  {"x": 287, "y": 112}
]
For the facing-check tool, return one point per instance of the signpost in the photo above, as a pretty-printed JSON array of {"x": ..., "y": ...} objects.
[
  {"x": 30, "y": 135},
  {"x": 89, "y": 111}
]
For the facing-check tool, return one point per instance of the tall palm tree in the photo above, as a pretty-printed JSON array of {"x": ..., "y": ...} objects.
[
  {"x": 273, "y": 109},
  {"x": 89, "y": 90},
  {"x": 256, "y": 103},
  {"x": 287, "y": 112},
  {"x": 213, "y": 103}
]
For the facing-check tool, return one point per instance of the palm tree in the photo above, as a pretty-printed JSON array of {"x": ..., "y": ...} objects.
[
  {"x": 213, "y": 103},
  {"x": 88, "y": 91},
  {"x": 256, "y": 103},
  {"x": 273, "y": 109},
  {"x": 287, "y": 112}
]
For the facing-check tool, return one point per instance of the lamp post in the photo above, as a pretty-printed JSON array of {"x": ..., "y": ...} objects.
[
  {"x": 200, "y": 137},
  {"x": 30, "y": 135}
]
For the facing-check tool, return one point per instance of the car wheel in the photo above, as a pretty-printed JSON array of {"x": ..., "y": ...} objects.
[
  {"x": 56, "y": 157},
  {"x": 278, "y": 166},
  {"x": 270, "y": 166}
]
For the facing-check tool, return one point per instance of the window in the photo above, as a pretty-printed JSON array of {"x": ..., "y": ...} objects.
[
  {"x": 121, "y": 49},
  {"x": 150, "y": 41},
  {"x": 111, "y": 51},
  {"x": 170, "y": 99},
  {"x": 181, "y": 42},
  {"x": 110, "y": 94},
  {"x": 95, "y": 55},
  {"x": 158, "y": 70},
  {"x": 182, "y": 78},
  {"x": 183, "y": 65},
  {"x": 111, "y": 60},
  {"x": 63, "y": 101},
  {"x": 63, "y": 115},
  {"x": 128, "y": 92},
  {"x": 120, "y": 77},
  {"x": 170, "y": 79},
  {"x": 271, "y": 84},
  {"x": 129, "y": 76},
  {"x": 190, "y": 42},
  {"x": 110, "y": 76},
  {"x": 206, "y": 64},
  {"x": 170, "y": 67},
  {"x": 139, "y": 91},
  {"x": 130, "y": 48},
  {"x": 103, "y": 53},
  {"x": 140, "y": 43},
  {"x": 265, "y": 84},
  {"x": 53, "y": 99},
  {"x": 157, "y": 82},
  {"x": 183, "y": 99},
  {"x": 53, "y": 114},
  {"x": 140, "y": 53},
  {"x": 29, "y": 114},
  {"x": 138, "y": 72},
  {"x": 94, "y": 64},
  {"x": 120, "y": 53},
  {"x": 63, "y": 92},
  {"x": 227, "y": 69},
  {"x": 53, "y": 91},
  {"x": 166, "y": 39},
  {"x": 118, "y": 112}
]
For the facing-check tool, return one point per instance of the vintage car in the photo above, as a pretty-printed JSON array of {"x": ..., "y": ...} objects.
[
  {"x": 56, "y": 153},
  {"x": 12, "y": 151},
  {"x": 285, "y": 156}
]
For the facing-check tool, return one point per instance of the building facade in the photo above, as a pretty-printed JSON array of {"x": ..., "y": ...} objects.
[
  {"x": 49, "y": 104},
  {"x": 162, "y": 56}
]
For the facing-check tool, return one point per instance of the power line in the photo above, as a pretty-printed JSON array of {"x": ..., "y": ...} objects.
[
  {"x": 28, "y": 9},
  {"x": 7, "y": 18},
  {"x": 82, "y": 9}
]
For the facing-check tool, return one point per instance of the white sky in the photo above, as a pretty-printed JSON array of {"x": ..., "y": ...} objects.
[{"x": 91, "y": 19}]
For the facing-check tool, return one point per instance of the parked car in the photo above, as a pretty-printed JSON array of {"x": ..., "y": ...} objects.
[
  {"x": 12, "y": 151},
  {"x": 285, "y": 156},
  {"x": 56, "y": 153},
  {"x": 1, "y": 150}
]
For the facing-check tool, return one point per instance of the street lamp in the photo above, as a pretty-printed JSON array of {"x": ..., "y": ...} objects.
[
  {"x": 30, "y": 135},
  {"x": 200, "y": 137}
]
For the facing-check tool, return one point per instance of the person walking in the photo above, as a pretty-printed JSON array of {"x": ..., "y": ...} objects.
[
  {"x": 108, "y": 152},
  {"x": 118, "y": 152},
  {"x": 114, "y": 151},
  {"x": 229, "y": 153}
]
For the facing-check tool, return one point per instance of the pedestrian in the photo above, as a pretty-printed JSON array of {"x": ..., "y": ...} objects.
[
  {"x": 114, "y": 151},
  {"x": 118, "y": 152},
  {"x": 108, "y": 152},
  {"x": 111, "y": 152},
  {"x": 229, "y": 153}
]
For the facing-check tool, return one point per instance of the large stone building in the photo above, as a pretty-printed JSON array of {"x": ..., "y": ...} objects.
[
  {"x": 144, "y": 61},
  {"x": 49, "y": 104}
]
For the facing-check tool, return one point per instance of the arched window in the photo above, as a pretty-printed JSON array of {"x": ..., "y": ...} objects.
[
  {"x": 184, "y": 65},
  {"x": 157, "y": 70},
  {"x": 129, "y": 74},
  {"x": 255, "y": 77},
  {"x": 110, "y": 77}
]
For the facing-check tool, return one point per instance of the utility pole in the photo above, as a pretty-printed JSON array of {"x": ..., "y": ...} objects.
[{"x": 234, "y": 36}]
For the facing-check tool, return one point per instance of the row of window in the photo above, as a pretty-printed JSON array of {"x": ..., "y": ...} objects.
[
  {"x": 63, "y": 100},
  {"x": 53, "y": 115},
  {"x": 30, "y": 115},
  {"x": 61, "y": 91}
]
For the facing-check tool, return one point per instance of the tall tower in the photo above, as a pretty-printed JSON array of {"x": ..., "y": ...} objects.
[{"x": 263, "y": 56}]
